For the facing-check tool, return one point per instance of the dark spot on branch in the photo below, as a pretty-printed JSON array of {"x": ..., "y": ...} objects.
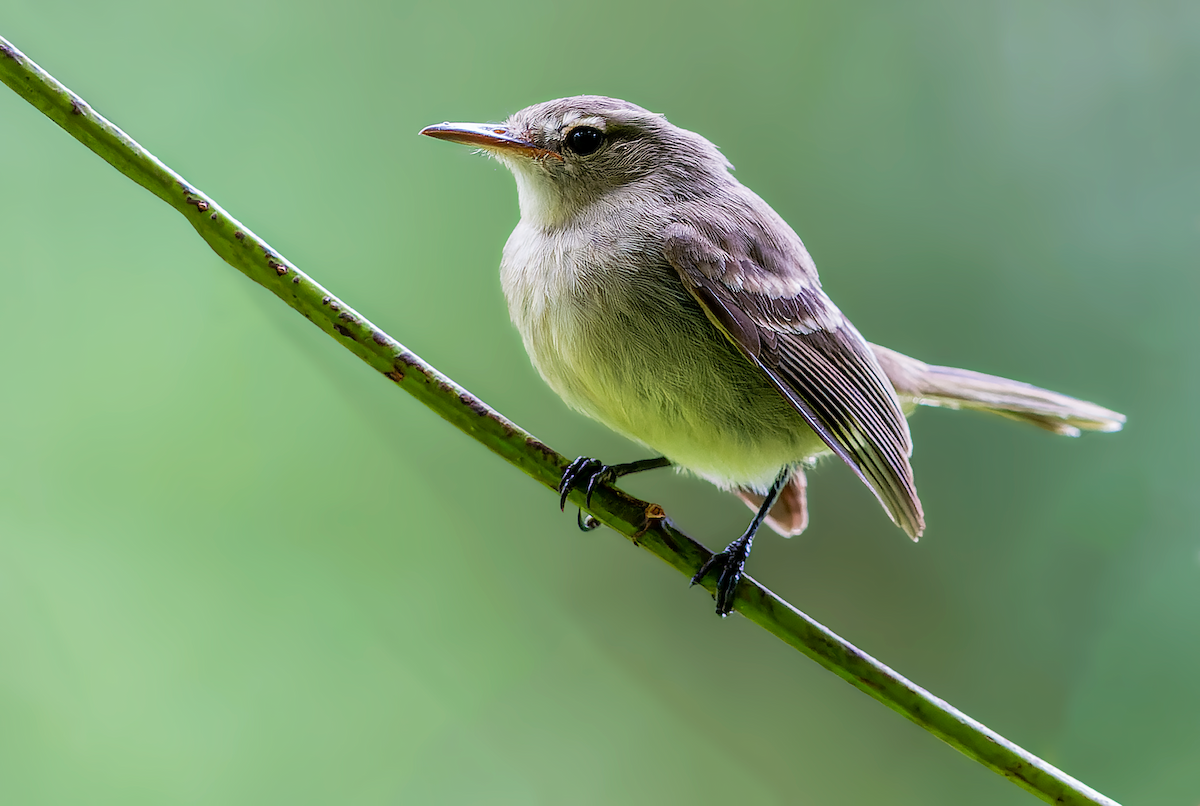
[
  {"x": 9, "y": 52},
  {"x": 333, "y": 306},
  {"x": 239, "y": 235},
  {"x": 479, "y": 407},
  {"x": 213, "y": 216},
  {"x": 412, "y": 362},
  {"x": 869, "y": 683},
  {"x": 324, "y": 300},
  {"x": 1019, "y": 773},
  {"x": 541, "y": 447},
  {"x": 296, "y": 279},
  {"x": 76, "y": 106},
  {"x": 346, "y": 316},
  {"x": 473, "y": 403},
  {"x": 396, "y": 375},
  {"x": 279, "y": 268},
  {"x": 344, "y": 331},
  {"x": 201, "y": 204},
  {"x": 379, "y": 337}
]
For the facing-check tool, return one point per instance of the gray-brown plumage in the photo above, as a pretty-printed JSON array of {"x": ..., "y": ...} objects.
[{"x": 660, "y": 296}]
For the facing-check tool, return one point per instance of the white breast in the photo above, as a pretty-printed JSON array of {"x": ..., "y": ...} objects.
[{"x": 619, "y": 338}]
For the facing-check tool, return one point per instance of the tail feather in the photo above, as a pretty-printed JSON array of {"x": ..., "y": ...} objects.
[{"x": 918, "y": 383}]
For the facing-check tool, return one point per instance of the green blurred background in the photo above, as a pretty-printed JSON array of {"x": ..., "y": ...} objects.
[{"x": 238, "y": 567}]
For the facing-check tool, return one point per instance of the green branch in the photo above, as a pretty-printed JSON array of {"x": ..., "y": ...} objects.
[{"x": 644, "y": 523}]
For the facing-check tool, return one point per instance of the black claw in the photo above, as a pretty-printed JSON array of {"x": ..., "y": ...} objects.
[
  {"x": 586, "y": 473},
  {"x": 602, "y": 473},
  {"x": 589, "y": 474},
  {"x": 572, "y": 477},
  {"x": 732, "y": 560},
  {"x": 729, "y": 564}
]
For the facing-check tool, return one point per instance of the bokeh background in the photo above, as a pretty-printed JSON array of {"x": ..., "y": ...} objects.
[{"x": 238, "y": 567}]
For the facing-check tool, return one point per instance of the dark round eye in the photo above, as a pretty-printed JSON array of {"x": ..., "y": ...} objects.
[{"x": 585, "y": 140}]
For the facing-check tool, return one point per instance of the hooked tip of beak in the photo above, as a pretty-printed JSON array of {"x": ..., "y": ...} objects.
[{"x": 489, "y": 137}]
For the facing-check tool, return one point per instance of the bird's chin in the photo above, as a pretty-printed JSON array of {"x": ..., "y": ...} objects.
[{"x": 542, "y": 205}]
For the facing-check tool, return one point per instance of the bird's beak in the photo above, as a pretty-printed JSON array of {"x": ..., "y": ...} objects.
[{"x": 490, "y": 137}]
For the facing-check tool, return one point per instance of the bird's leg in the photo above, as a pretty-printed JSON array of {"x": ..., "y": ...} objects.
[
  {"x": 729, "y": 563},
  {"x": 587, "y": 474}
]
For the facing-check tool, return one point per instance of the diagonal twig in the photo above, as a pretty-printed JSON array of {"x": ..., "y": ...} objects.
[{"x": 644, "y": 523}]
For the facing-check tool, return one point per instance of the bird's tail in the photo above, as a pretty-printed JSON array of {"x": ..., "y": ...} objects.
[{"x": 918, "y": 383}]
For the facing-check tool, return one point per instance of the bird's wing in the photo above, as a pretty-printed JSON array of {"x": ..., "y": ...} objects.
[{"x": 763, "y": 294}]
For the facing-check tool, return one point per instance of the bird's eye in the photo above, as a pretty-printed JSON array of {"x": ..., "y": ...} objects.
[{"x": 585, "y": 140}]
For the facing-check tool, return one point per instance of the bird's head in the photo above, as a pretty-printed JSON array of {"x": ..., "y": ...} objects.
[{"x": 569, "y": 154}]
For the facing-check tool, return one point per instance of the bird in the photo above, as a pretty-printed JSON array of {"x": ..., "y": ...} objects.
[{"x": 658, "y": 295}]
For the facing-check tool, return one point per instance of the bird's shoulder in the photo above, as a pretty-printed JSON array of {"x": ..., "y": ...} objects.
[{"x": 735, "y": 242}]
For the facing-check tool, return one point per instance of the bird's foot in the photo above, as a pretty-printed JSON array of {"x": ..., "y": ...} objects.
[
  {"x": 584, "y": 474},
  {"x": 587, "y": 474},
  {"x": 728, "y": 565}
]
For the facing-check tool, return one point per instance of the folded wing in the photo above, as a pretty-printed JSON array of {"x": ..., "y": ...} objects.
[{"x": 765, "y": 297}]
